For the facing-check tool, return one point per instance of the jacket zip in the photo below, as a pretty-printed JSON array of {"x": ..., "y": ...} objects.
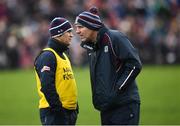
[{"x": 127, "y": 78}]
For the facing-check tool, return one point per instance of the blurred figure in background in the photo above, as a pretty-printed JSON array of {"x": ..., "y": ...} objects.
[
  {"x": 55, "y": 80},
  {"x": 114, "y": 65},
  {"x": 152, "y": 26}
]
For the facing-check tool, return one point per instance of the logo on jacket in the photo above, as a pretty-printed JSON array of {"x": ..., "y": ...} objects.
[
  {"x": 45, "y": 68},
  {"x": 105, "y": 49}
]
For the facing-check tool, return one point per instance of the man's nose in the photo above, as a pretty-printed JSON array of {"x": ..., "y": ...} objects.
[
  {"x": 71, "y": 34},
  {"x": 77, "y": 30}
]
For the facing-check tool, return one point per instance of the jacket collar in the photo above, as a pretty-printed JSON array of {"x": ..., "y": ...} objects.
[
  {"x": 100, "y": 36},
  {"x": 57, "y": 46},
  {"x": 93, "y": 47}
]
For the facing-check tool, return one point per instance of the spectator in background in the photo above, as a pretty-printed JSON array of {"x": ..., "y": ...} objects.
[
  {"x": 55, "y": 80},
  {"x": 146, "y": 22},
  {"x": 114, "y": 65}
]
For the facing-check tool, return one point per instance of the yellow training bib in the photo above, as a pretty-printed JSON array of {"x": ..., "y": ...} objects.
[{"x": 64, "y": 82}]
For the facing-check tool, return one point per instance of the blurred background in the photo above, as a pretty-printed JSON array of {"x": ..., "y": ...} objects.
[{"x": 153, "y": 26}]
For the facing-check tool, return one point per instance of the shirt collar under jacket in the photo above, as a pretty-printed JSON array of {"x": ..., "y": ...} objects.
[{"x": 57, "y": 46}]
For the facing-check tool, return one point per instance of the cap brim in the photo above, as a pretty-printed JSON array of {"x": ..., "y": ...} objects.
[{"x": 78, "y": 24}]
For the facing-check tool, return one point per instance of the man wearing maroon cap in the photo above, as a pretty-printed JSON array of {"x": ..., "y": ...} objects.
[
  {"x": 55, "y": 79},
  {"x": 114, "y": 65}
]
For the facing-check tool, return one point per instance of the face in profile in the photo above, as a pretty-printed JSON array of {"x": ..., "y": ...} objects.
[
  {"x": 66, "y": 37},
  {"x": 84, "y": 33}
]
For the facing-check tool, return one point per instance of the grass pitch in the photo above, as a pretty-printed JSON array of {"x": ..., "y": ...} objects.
[{"x": 158, "y": 85}]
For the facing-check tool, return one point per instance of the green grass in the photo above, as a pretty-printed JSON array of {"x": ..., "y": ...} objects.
[
  {"x": 158, "y": 85},
  {"x": 159, "y": 89}
]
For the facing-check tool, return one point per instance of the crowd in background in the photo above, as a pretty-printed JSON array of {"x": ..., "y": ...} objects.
[{"x": 152, "y": 26}]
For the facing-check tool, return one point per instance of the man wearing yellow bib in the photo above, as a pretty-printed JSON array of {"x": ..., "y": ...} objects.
[{"x": 55, "y": 79}]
